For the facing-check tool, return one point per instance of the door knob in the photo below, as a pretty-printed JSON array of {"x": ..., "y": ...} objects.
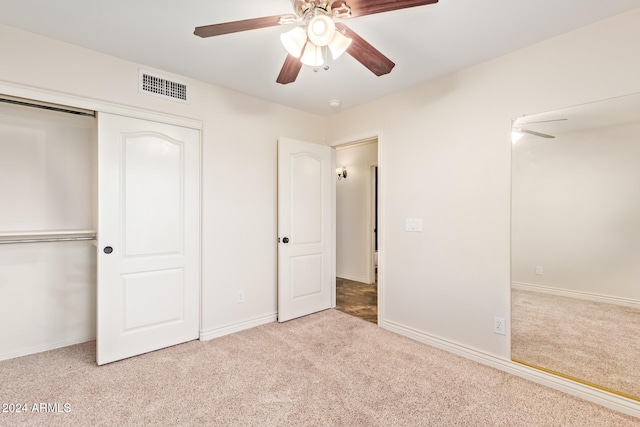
[
  {"x": 285, "y": 240},
  {"x": 108, "y": 249}
]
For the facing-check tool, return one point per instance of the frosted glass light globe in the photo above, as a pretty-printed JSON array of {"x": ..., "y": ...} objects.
[{"x": 321, "y": 30}]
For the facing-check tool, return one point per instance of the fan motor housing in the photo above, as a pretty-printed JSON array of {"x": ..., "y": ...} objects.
[{"x": 306, "y": 9}]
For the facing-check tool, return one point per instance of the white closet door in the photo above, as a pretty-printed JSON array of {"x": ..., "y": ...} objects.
[{"x": 148, "y": 236}]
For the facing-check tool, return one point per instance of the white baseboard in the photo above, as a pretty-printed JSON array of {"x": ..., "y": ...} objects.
[
  {"x": 210, "y": 334},
  {"x": 588, "y": 296},
  {"x": 46, "y": 347},
  {"x": 361, "y": 279},
  {"x": 591, "y": 394}
]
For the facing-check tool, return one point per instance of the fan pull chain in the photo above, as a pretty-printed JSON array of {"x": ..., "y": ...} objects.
[
  {"x": 326, "y": 58},
  {"x": 326, "y": 54}
]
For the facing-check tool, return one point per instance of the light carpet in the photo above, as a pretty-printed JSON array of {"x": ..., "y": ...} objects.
[
  {"x": 326, "y": 369},
  {"x": 592, "y": 341}
]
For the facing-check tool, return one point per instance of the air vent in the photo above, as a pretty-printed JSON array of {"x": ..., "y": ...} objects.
[{"x": 162, "y": 87}]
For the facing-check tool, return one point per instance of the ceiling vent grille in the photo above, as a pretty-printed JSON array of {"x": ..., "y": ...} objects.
[{"x": 164, "y": 88}]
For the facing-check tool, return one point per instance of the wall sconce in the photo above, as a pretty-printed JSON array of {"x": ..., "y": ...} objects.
[{"x": 341, "y": 172}]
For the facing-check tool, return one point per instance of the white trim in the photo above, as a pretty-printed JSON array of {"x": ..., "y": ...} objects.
[
  {"x": 357, "y": 144},
  {"x": 334, "y": 238},
  {"x": 591, "y": 394},
  {"x": 237, "y": 327},
  {"x": 46, "y": 347},
  {"x": 53, "y": 97},
  {"x": 381, "y": 233},
  {"x": 371, "y": 237},
  {"x": 588, "y": 296},
  {"x": 364, "y": 137},
  {"x": 361, "y": 279}
]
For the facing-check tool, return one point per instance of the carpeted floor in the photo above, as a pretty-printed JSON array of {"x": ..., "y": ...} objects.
[
  {"x": 357, "y": 299},
  {"x": 595, "y": 342},
  {"x": 326, "y": 369}
]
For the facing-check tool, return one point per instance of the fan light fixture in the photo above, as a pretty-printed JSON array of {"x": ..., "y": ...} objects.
[
  {"x": 294, "y": 40},
  {"x": 308, "y": 44},
  {"x": 339, "y": 44},
  {"x": 312, "y": 55},
  {"x": 321, "y": 30}
]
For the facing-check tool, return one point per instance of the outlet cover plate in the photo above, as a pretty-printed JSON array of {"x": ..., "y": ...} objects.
[
  {"x": 413, "y": 224},
  {"x": 499, "y": 326}
]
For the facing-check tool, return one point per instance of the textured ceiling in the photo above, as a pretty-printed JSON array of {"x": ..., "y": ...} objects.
[{"x": 425, "y": 42}]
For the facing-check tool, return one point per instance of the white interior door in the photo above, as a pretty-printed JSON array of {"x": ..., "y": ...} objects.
[
  {"x": 148, "y": 236},
  {"x": 305, "y": 247}
]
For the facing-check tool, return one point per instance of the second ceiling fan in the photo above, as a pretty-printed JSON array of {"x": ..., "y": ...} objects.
[
  {"x": 519, "y": 129},
  {"x": 319, "y": 35}
]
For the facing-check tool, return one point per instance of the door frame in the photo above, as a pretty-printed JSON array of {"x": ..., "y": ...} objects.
[
  {"x": 373, "y": 182},
  {"x": 352, "y": 140},
  {"x": 53, "y": 97}
]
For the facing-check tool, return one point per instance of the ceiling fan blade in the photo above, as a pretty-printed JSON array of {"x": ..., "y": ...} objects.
[
  {"x": 543, "y": 121},
  {"x": 531, "y": 132},
  {"x": 237, "y": 26},
  {"x": 369, "y": 7},
  {"x": 366, "y": 54},
  {"x": 290, "y": 70}
]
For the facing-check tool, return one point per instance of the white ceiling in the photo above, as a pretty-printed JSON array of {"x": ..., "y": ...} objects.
[{"x": 425, "y": 42}]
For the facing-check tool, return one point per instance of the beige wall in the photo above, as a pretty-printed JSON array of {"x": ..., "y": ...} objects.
[
  {"x": 445, "y": 157},
  {"x": 238, "y": 156}
]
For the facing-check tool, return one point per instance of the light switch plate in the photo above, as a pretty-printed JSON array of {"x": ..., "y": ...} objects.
[{"x": 413, "y": 224}]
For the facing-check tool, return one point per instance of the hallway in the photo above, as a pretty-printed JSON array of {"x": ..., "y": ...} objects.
[{"x": 357, "y": 299}]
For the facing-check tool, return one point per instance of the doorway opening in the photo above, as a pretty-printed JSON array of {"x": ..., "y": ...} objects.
[{"x": 357, "y": 230}]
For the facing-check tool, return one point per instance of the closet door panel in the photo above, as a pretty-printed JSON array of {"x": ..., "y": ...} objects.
[
  {"x": 148, "y": 236},
  {"x": 153, "y": 196}
]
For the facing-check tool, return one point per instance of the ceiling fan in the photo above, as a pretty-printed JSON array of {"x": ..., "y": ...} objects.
[
  {"x": 311, "y": 42},
  {"x": 518, "y": 129}
]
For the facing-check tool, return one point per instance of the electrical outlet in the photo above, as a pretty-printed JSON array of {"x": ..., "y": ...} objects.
[
  {"x": 499, "y": 325},
  {"x": 539, "y": 270},
  {"x": 240, "y": 296},
  {"x": 413, "y": 224}
]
